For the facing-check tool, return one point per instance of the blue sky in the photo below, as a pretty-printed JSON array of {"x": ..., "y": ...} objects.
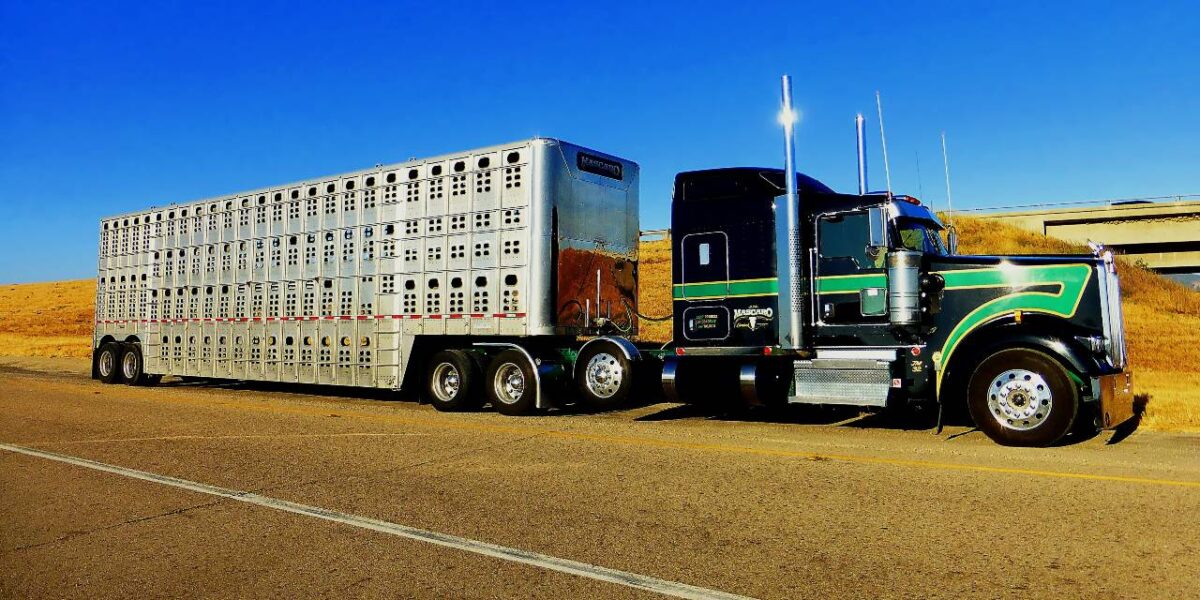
[{"x": 109, "y": 107}]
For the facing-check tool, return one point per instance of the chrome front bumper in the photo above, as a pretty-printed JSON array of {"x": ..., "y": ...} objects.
[{"x": 1116, "y": 398}]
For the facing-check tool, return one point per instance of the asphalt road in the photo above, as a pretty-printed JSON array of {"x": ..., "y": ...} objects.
[{"x": 355, "y": 497}]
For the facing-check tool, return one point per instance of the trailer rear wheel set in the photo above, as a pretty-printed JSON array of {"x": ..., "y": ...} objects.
[{"x": 121, "y": 362}]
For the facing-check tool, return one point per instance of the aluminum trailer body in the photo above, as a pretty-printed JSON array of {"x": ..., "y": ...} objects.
[{"x": 342, "y": 280}]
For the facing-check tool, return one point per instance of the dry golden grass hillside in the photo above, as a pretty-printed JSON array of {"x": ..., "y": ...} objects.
[
  {"x": 47, "y": 319},
  {"x": 1162, "y": 316}
]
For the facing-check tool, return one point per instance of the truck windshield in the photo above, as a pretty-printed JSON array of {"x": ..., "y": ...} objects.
[{"x": 919, "y": 236}]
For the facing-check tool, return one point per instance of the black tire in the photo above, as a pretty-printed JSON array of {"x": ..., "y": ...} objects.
[
  {"x": 510, "y": 384},
  {"x": 108, "y": 360},
  {"x": 132, "y": 367},
  {"x": 1022, "y": 397},
  {"x": 603, "y": 376},
  {"x": 451, "y": 381}
]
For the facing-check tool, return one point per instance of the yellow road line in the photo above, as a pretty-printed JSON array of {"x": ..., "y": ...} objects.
[{"x": 462, "y": 425}]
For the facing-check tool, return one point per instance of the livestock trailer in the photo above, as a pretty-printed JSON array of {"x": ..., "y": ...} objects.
[{"x": 422, "y": 272}]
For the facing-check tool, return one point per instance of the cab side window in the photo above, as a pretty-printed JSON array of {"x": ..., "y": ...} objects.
[{"x": 843, "y": 244}]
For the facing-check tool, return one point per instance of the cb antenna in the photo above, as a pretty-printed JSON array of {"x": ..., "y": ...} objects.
[
  {"x": 887, "y": 172},
  {"x": 946, "y": 164}
]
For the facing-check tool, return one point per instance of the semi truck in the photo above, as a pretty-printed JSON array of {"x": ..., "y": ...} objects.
[{"x": 508, "y": 275}]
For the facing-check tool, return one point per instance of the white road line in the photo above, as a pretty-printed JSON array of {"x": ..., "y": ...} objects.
[{"x": 552, "y": 563}]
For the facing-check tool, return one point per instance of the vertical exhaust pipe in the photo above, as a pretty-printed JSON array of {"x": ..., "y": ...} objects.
[
  {"x": 788, "y": 240},
  {"x": 860, "y": 126}
]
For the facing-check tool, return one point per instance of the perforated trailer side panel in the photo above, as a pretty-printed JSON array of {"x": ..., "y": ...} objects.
[{"x": 324, "y": 281}]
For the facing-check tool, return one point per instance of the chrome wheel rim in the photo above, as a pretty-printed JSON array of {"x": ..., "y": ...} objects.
[
  {"x": 509, "y": 384},
  {"x": 446, "y": 382},
  {"x": 107, "y": 363},
  {"x": 129, "y": 365},
  {"x": 1020, "y": 399},
  {"x": 603, "y": 375}
]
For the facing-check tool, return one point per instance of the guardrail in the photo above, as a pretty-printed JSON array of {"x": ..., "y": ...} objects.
[
  {"x": 1108, "y": 202},
  {"x": 651, "y": 235}
]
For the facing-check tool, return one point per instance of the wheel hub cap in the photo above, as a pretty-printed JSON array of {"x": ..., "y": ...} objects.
[
  {"x": 129, "y": 365},
  {"x": 1020, "y": 399},
  {"x": 510, "y": 384},
  {"x": 447, "y": 382},
  {"x": 604, "y": 375},
  {"x": 106, "y": 363}
]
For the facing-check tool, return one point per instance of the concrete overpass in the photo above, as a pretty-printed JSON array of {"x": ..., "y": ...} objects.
[{"x": 1163, "y": 234}]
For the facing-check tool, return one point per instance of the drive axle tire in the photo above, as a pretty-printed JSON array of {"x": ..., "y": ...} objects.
[
  {"x": 108, "y": 360},
  {"x": 451, "y": 381},
  {"x": 1022, "y": 397},
  {"x": 511, "y": 384},
  {"x": 603, "y": 376}
]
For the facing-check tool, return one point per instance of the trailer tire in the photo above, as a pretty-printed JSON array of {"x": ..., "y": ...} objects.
[
  {"x": 108, "y": 360},
  {"x": 451, "y": 381},
  {"x": 511, "y": 383},
  {"x": 1022, "y": 397},
  {"x": 603, "y": 375},
  {"x": 132, "y": 365}
]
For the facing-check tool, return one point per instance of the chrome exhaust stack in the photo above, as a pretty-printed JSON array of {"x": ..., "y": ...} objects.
[
  {"x": 860, "y": 125},
  {"x": 787, "y": 234}
]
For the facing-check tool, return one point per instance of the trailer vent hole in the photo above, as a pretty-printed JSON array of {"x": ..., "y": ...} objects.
[
  {"x": 391, "y": 178},
  {"x": 456, "y": 282},
  {"x": 436, "y": 170},
  {"x": 364, "y": 341},
  {"x": 413, "y": 174},
  {"x": 370, "y": 182},
  {"x": 345, "y": 341},
  {"x": 288, "y": 341},
  {"x": 166, "y": 340},
  {"x": 350, "y": 184},
  {"x": 510, "y": 279},
  {"x": 460, "y": 166},
  {"x": 484, "y": 162},
  {"x": 513, "y": 157}
]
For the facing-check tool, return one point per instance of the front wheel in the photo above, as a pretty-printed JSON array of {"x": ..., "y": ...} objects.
[
  {"x": 512, "y": 384},
  {"x": 1022, "y": 397}
]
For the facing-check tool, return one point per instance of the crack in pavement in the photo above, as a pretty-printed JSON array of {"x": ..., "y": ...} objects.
[{"x": 78, "y": 534}]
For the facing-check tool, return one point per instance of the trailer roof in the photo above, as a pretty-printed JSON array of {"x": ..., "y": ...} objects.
[{"x": 335, "y": 176}]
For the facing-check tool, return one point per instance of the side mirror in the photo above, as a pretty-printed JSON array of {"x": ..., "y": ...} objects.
[{"x": 952, "y": 240}]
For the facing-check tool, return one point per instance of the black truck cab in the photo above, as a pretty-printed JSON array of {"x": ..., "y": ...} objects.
[{"x": 887, "y": 316}]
